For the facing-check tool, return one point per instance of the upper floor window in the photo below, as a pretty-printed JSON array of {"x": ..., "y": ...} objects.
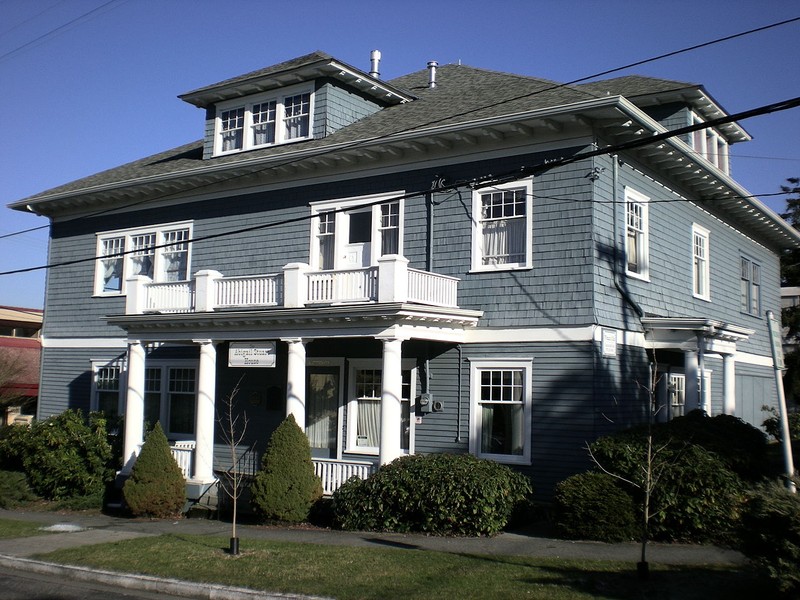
[
  {"x": 709, "y": 144},
  {"x": 700, "y": 263},
  {"x": 501, "y": 227},
  {"x": 160, "y": 253},
  {"x": 354, "y": 233},
  {"x": 637, "y": 234},
  {"x": 272, "y": 118},
  {"x": 750, "y": 287}
]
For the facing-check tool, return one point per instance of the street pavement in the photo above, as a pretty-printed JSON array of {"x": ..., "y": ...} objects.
[{"x": 79, "y": 529}]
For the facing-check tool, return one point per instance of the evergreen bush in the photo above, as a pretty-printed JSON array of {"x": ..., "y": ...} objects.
[
  {"x": 593, "y": 506},
  {"x": 156, "y": 487},
  {"x": 770, "y": 536},
  {"x": 285, "y": 487},
  {"x": 442, "y": 494},
  {"x": 14, "y": 490},
  {"x": 64, "y": 456}
]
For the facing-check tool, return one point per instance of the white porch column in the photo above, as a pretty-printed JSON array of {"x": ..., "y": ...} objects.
[
  {"x": 391, "y": 400},
  {"x": 134, "y": 406},
  {"x": 728, "y": 384},
  {"x": 204, "y": 413},
  {"x": 690, "y": 369},
  {"x": 296, "y": 381}
]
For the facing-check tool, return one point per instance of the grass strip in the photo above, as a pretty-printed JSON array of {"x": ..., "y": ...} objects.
[
  {"x": 10, "y": 528},
  {"x": 379, "y": 573}
]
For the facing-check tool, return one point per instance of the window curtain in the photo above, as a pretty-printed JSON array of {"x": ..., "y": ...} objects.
[
  {"x": 175, "y": 265},
  {"x": 368, "y": 429},
  {"x": 504, "y": 241},
  {"x": 321, "y": 417},
  {"x": 112, "y": 274}
]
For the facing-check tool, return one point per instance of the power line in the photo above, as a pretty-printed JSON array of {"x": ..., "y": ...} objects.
[
  {"x": 29, "y": 19},
  {"x": 475, "y": 183},
  {"x": 357, "y": 143}
]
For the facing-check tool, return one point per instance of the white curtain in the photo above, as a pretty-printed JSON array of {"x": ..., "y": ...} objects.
[
  {"x": 368, "y": 429},
  {"x": 504, "y": 241}
]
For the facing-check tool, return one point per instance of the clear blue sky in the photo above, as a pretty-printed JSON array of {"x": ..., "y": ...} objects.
[{"x": 101, "y": 91}]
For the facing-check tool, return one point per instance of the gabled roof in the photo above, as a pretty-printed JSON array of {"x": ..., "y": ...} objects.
[
  {"x": 649, "y": 91},
  {"x": 304, "y": 68}
]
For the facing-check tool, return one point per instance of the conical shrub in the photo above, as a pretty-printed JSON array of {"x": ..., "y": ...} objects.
[
  {"x": 156, "y": 487},
  {"x": 285, "y": 487}
]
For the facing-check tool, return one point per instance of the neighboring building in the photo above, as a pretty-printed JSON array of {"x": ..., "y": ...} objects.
[
  {"x": 444, "y": 262},
  {"x": 20, "y": 354}
]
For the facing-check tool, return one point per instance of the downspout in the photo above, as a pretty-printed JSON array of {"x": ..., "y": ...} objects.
[{"x": 615, "y": 265}]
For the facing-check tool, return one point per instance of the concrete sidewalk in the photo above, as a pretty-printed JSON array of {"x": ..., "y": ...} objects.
[{"x": 80, "y": 529}]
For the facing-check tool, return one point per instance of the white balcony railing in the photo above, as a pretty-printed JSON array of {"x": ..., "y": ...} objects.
[
  {"x": 334, "y": 473},
  {"x": 183, "y": 452},
  {"x": 297, "y": 287}
]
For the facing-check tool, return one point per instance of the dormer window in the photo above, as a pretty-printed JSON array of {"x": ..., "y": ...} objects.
[
  {"x": 709, "y": 144},
  {"x": 276, "y": 117}
]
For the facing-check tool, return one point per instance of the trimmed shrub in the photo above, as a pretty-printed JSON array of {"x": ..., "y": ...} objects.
[
  {"x": 14, "y": 490},
  {"x": 770, "y": 536},
  {"x": 442, "y": 494},
  {"x": 593, "y": 506},
  {"x": 156, "y": 487},
  {"x": 285, "y": 487},
  {"x": 65, "y": 456},
  {"x": 696, "y": 497}
]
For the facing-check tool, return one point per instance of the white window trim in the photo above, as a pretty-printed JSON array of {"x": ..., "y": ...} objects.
[
  {"x": 698, "y": 230},
  {"x": 337, "y": 363},
  {"x": 754, "y": 289},
  {"x": 118, "y": 363},
  {"x": 342, "y": 206},
  {"x": 704, "y": 388},
  {"x": 279, "y": 96},
  {"x": 634, "y": 197},
  {"x": 159, "y": 231},
  {"x": 476, "y": 367},
  {"x": 477, "y": 237},
  {"x": 408, "y": 364}
]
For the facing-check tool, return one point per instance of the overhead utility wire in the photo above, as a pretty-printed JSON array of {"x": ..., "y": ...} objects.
[
  {"x": 355, "y": 144},
  {"x": 476, "y": 183}
]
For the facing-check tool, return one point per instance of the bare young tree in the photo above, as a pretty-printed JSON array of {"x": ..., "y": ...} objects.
[{"x": 233, "y": 427}]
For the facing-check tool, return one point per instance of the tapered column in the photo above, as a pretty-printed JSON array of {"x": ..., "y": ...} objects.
[
  {"x": 690, "y": 368},
  {"x": 134, "y": 406},
  {"x": 728, "y": 384},
  {"x": 204, "y": 413},
  {"x": 296, "y": 381},
  {"x": 391, "y": 401}
]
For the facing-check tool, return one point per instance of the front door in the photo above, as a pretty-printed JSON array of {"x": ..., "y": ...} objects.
[
  {"x": 359, "y": 239},
  {"x": 322, "y": 410}
]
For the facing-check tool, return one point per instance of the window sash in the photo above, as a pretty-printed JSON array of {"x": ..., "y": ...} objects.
[
  {"x": 636, "y": 242},
  {"x": 700, "y": 263},
  {"x": 502, "y": 236}
]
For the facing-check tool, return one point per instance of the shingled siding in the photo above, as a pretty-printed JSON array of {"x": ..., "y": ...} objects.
[
  {"x": 669, "y": 289},
  {"x": 336, "y": 107}
]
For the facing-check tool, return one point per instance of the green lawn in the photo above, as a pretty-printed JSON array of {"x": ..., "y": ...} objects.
[
  {"x": 10, "y": 528},
  {"x": 381, "y": 573}
]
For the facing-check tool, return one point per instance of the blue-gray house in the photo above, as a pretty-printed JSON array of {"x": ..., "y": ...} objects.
[{"x": 457, "y": 260}]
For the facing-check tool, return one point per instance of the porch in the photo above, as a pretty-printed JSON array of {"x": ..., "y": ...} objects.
[
  {"x": 332, "y": 473},
  {"x": 296, "y": 287}
]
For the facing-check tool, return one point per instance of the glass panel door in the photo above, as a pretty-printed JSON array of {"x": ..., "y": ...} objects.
[{"x": 322, "y": 410}]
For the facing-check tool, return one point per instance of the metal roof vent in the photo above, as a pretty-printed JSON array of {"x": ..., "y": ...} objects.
[
  {"x": 432, "y": 73},
  {"x": 374, "y": 63}
]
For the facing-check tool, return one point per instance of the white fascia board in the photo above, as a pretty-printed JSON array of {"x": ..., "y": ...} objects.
[{"x": 83, "y": 343}]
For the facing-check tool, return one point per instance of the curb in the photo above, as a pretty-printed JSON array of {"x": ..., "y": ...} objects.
[{"x": 149, "y": 583}]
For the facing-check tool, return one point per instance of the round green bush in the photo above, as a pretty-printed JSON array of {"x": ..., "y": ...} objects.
[
  {"x": 65, "y": 456},
  {"x": 696, "y": 497},
  {"x": 156, "y": 487},
  {"x": 285, "y": 487},
  {"x": 442, "y": 494},
  {"x": 14, "y": 490},
  {"x": 593, "y": 506},
  {"x": 770, "y": 536}
]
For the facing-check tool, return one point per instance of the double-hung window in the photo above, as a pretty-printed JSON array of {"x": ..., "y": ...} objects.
[
  {"x": 106, "y": 388},
  {"x": 501, "y": 227},
  {"x": 700, "y": 263},
  {"x": 637, "y": 234},
  {"x": 500, "y": 418},
  {"x": 160, "y": 253},
  {"x": 750, "y": 287},
  {"x": 170, "y": 396},
  {"x": 263, "y": 120}
]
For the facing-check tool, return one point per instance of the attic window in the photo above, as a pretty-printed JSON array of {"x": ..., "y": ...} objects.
[
  {"x": 710, "y": 144},
  {"x": 277, "y": 117}
]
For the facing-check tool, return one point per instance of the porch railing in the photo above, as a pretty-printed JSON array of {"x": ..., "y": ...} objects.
[
  {"x": 297, "y": 287},
  {"x": 334, "y": 473},
  {"x": 183, "y": 453}
]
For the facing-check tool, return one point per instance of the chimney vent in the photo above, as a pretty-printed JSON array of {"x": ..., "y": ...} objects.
[
  {"x": 374, "y": 63},
  {"x": 432, "y": 73}
]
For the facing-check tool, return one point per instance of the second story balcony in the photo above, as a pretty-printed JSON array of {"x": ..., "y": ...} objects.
[{"x": 297, "y": 286}]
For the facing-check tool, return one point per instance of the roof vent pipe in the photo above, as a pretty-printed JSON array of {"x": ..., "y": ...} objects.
[
  {"x": 432, "y": 73},
  {"x": 374, "y": 63}
]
